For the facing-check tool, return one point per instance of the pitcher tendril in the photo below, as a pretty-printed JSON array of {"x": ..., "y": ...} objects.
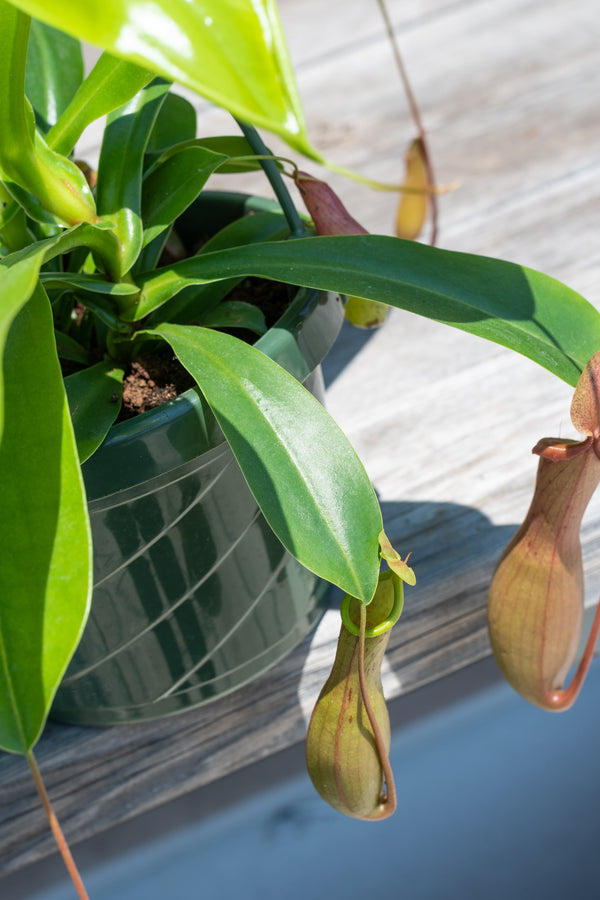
[{"x": 388, "y": 796}]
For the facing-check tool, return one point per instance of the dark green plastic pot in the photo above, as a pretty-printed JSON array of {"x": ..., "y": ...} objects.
[{"x": 193, "y": 594}]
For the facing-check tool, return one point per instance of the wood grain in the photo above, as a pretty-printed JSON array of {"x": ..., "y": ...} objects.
[{"x": 444, "y": 422}]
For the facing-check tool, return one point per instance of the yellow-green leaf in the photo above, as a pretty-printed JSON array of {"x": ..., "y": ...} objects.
[{"x": 231, "y": 51}]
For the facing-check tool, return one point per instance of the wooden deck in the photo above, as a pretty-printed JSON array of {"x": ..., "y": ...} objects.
[{"x": 444, "y": 422}]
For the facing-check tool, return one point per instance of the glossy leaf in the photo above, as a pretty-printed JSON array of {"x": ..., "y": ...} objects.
[
  {"x": 93, "y": 283},
  {"x": 296, "y": 460},
  {"x": 45, "y": 564},
  {"x": 173, "y": 185},
  {"x": 175, "y": 123},
  {"x": 111, "y": 83},
  {"x": 120, "y": 171},
  {"x": 509, "y": 304},
  {"x": 99, "y": 238},
  {"x": 231, "y": 51},
  {"x": 94, "y": 396},
  {"x": 54, "y": 72}
]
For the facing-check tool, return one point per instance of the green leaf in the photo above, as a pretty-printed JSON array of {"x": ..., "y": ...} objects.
[
  {"x": 175, "y": 123},
  {"x": 54, "y": 72},
  {"x": 259, "y": 226},
  {"x": 18, "y": 279},
  {"x": 120, "y": 171},
  {"x": 296, "y": 460},
  {"x": 47, "y": 183},
  {"x": 100, "y": 238},
  {"x": 509, "y": 304},
  {"x": 45, "y": 564},
  {"x": 192, "y": 303},
  {"x": 173, "y": 185},
  {"x": 241, "y": 156},
  {"x": 96, "y": 301},
  {"x": 235, "y": 314},
  {"x": 228, "y": 144},
  {"x": 111, "y": 83},
  {"x": 231, "y": 51},
  {"x": 94, "y": 396},
  {"x": 70, "y": 349},
  {"x": 93, "y": 283}
]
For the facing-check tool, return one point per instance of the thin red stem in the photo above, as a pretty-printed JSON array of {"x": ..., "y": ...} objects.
[
  {"x": 559, "y": 701},
  {"x": 416, "y": 116},
  {"x": 56, "y": 829},
  {"x": 388, "y": 806}
]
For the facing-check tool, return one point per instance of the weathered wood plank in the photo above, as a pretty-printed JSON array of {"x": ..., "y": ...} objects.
[{"x": 443, "y": 422}]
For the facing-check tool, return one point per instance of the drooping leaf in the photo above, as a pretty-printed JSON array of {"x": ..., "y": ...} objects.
[
  {"x": 100, "y": 238},
  {"x": 190, "y": 304},
  {"x": 45, "y": 564},
  {"x": 509, "y": 304},
  {"x": 231, "y": 51},
  {"x": 296, "y": 460},
  {"x": 94, "y": 396},
  {"x": 54, "y": 72}
]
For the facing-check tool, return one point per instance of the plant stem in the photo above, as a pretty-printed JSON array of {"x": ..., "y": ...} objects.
[
  {"x": 272, "y": 172},
  {"x": 416, "y": 116},
  {"x": 388, "y": 806},
  {"x": 56, "y": 829}
]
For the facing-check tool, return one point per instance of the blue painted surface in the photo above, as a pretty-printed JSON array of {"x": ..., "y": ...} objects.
[{"x": 497, "y": 800}]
